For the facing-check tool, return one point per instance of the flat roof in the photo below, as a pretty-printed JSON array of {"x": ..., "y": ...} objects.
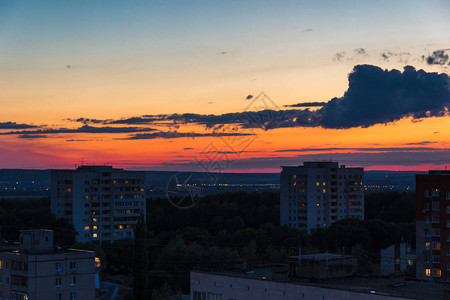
[
  {"x": 322, "y": 256},
  {"x": 412, "y": 289}
]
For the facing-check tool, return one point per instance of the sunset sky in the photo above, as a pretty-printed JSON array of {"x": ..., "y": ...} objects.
[{"x": 224, "y": 86}]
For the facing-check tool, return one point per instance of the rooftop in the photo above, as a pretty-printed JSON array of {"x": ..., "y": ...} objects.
[{"x": 412, "y": 289}]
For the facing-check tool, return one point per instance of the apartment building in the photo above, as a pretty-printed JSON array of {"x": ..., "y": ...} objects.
[
  {"x": 102, "y": 203},
  {"x": 319, "y": 193},
  {"x": 38, "y": 271},
  {"x": 433, "y": 225}
]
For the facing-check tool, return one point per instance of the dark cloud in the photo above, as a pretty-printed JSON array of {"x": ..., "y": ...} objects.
[
  {"x": 360, "y": 51},
  {"x": 339, "y": 56},
  {"x": 14, "y": 125},
  {"x": 307, "y": 104},
  {"x": 380, "y": 96},
  {"x": 175, "y": 134},
  {"x": 307, "y": 30},
  {"x": 32, "y": 136},
  {"x": 367, "y": 149},
  {"x": 438, "y": 57},
  {"x": 402, "y": 57},
  {"x": 82, "y": 129},
  {"x": 249, "y": 97},
  {"x": 421, "y": 143}
]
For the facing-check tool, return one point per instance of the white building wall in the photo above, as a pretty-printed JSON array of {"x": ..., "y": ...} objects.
[{"x": 238, "y": 288}]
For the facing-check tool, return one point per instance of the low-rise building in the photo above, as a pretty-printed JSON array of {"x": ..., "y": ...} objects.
[
  {"x": 38, "y": 271},
  {"x": 396, "y": 258},
  {"x": 259, "y": 284}
]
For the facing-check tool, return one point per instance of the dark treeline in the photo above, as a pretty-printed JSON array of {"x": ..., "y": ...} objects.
[
  {"x": 220, "y": 229},
  {"x": 17, "y": 214}
]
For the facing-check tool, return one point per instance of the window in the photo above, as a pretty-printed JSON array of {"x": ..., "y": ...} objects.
[
  {"x": 435, "y": 205},
  {"x": 73, "y": 296},
  {"x": 448, "y": 210},
  {"x": 1, "y": 280},
  {"x": 1, "y": 264},
  {"x": 73, "y": 281},
  {"x": 436, "y": 272},
  {"x": 58, "y": 281},
  {"x": 428, "y": 272},
  {"x": 448, "y": 223},
  {"x": 72, "y": 265},
  {"x": 427, "y": 232},
  {"x": 435, "y": 219},
  {"x": 94, "y": 235},
  {"x": 86, "y": 227},
  {"x": 58, "y": 266},
  {"x": 426, "y": 193},
  {"x": 436, "y": 231},
  {"x": 58, "y": 296},
  {"x": 435, "y": 192},
  {"x": 436, "y": 259},
  {"x": 448, "y": 195},
  {"x": 436, "y": 245},
  {"x": 426, "y": 206},
  {"x": 427, "y": 245}
]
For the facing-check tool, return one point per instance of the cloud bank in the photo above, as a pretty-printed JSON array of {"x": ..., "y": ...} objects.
[{"x": 374, "y": 96}]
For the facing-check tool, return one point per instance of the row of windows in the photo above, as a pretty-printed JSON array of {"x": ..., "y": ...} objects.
[{"x": 435, "y": 192}]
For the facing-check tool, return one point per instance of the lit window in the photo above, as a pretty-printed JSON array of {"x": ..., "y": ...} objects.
[
  {"x": 324, "y": 184},
  {"x": 324, "y": 191},
  {"x": 94, "y": 227},
  {"x": 94, "y": 219},
  {"x": 436, "y": 272},
  {"x": 436, "y": 245},
  {"x": 1, "y": 264},
  {"x": 318, "y": 204},
  {"x": 317, "y": 183},
  {"x": 428, "y": 272},
  {"x": 120, "y": 226},
  {"x": 95, "y": 235},
  {"x": 427, "y": 245},
  {"x": 86, "y": 227}
]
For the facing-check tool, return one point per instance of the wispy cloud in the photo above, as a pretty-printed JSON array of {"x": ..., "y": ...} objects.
[{"x": 175, "y": 134}]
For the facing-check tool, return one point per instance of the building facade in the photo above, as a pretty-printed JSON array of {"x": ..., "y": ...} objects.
[
  {"x": 319, "y": 193},
  {"x": 433, "y": 225},
  {"x": 38, "y": 271},
  {"x": 102, "y": 203}
]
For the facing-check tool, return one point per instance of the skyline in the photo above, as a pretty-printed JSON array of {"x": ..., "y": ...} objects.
[{"x": 171, "y": 86}]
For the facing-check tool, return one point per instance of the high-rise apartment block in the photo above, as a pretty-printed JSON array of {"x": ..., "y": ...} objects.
[
  {"x": 102, "y": 203},
  {"x": 38, "y": 271},
  {"x": 319, "y": 193},
  {"x": 433, "y": 225}
]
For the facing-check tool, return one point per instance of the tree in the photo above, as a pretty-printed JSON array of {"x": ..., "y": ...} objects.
[{"x": 140, "y": 262}]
